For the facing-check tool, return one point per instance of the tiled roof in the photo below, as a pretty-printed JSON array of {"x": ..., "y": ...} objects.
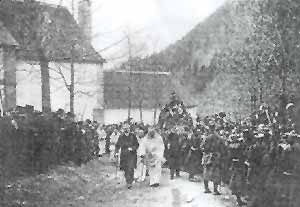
[
  {"x": 5, "y": 37},
  {"x": 52, "y": 31}
]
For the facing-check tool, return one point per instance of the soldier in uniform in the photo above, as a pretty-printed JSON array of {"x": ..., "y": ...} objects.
[
  {"x": 238, "y": 177},
  {"x": 194, "y": 156},
  {"x": 173, "y": 154},
  {"x": 295, "y": 158},
  {"x": 212, "y": 148},
  {"x": 258, "y": 171},
  {"x": 128, "y": 143}
]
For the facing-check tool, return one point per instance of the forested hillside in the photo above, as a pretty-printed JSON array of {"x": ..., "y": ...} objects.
[{"x": 246, "y": 48}]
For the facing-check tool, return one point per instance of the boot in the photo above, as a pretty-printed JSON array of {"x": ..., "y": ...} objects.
[
  {"x": 206, "y": 187},
  {"x": 191, "y": 176},
  {"x": 177, "y": 173},
  {"x": 155, "y": 185},
  {"x": 172, "y": 174},
  {"x": 216, "y": 192},
  {"x": 240, "y": 201}
]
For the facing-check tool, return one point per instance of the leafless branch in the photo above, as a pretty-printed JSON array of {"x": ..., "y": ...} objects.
[{"x": 85, "y": 93}]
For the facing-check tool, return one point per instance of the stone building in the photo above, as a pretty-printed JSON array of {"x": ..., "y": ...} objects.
[{"x": 38, "y": 44}]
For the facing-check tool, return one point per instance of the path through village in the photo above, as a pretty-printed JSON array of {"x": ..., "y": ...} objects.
[{"x": 98, "y": 184}]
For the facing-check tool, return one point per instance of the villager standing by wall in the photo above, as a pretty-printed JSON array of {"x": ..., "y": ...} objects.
[
  {"x": 128, "y": 144},
  {"x": 153, "y": 147}
]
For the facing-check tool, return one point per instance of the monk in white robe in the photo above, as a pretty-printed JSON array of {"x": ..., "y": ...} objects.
[
  {"x": 140, "y": 171},
  {"x": 153, "y": 154}
]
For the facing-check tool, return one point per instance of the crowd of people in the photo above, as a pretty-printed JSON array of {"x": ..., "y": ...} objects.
[
  {"x": 258, "y": 158},
  {"x": 32, "y": 141}
]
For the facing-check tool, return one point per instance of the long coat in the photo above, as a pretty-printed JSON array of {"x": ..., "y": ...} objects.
[
  {"x": 238, "y": 176},
  {"x": 174, "y": 155},
  {"x": 213, "y": 149},
  {"x": 128, "y": 158},
  {"x": 194, "y": 157}
]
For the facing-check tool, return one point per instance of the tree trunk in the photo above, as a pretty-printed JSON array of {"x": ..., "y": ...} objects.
[
  {"x": 141, "y": 110},
  {"x": 46, "y": 98},
  {"x": 8, "y": 58},
  {"x": 72, "y": 88},
  {"x": 259, "y": 83},
  {"x": 155, "y": 114},
  {"x": 129, "y": 102}
]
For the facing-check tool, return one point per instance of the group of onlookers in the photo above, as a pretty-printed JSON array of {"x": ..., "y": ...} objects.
[{"x": 33, "y": 141}]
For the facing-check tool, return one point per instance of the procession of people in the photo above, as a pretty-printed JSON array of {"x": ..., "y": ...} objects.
[{"x": 258, "y": 158}]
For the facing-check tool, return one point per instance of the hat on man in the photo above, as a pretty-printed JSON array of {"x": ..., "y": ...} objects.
[
  {"x": 259, "y": 135},
  {"x": 222, "y": 114},
  {"x": 289, "y": 106},
  {"x": 126, "y": 126}
]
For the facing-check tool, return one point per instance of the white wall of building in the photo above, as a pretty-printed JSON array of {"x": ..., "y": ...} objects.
[
  {"x": 29, "y": 87},
  {"x": 114, "y": 116}
]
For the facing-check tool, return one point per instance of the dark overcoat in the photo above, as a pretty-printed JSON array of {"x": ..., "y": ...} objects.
[
  {"x": 213, "y": 149},
  {"x": 174, "y": 155},
  {"x": 128, "y": 158},
  {"x": 238, "y": 169},
  {"x": 193, "y": 161}
]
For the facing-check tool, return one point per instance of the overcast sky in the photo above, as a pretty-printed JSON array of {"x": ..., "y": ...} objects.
[{"x": 159, "y": 22}]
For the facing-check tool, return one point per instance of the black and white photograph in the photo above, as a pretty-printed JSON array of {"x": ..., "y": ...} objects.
[{"x": 149, "y": 103}]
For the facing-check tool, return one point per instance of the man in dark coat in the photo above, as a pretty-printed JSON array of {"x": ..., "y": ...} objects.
[
  {"x": 238, "y": 157},
  {"x": 213, "y": 149},
  {"x": 174, "y": 153},
  {"x": 258, "y": 172},
  {"x": 128, "y": 144},
  {"x": 194, "y": 156}
]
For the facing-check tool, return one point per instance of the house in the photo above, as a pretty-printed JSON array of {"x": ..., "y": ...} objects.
[
  {"x": 136, "y": 94},
  {"x": 39, "y": 43}
]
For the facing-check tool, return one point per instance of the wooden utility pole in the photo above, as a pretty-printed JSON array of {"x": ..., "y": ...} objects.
[
  {"x": 129, "y": 102},
  {"x": 130, "y": 77},
  {"x": 72, "y": 95}
]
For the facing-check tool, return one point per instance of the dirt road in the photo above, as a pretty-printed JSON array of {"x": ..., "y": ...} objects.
[{"x": 98, "y": 185}]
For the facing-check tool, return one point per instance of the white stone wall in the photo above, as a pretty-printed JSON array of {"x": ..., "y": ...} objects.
[
  {"x": 29, "y": 87},
  {"x": 114, "y": 116}
]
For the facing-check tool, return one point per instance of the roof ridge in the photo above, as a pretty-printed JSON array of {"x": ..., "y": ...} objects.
[
  {"x": 6, "y": 37},
  {"x": 41, "y": 3}
]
